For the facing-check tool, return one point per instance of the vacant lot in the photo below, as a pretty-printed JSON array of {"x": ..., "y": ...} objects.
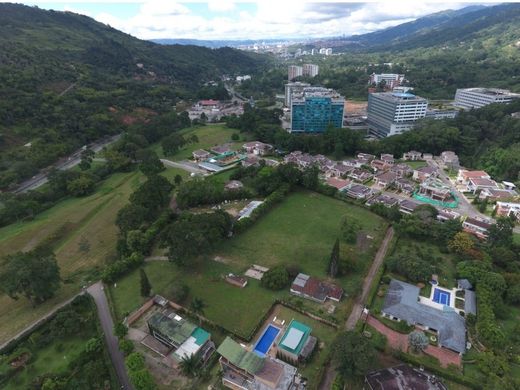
[
  {"x": 208, "y": 136},
  {"x": 301, "y": 231}
]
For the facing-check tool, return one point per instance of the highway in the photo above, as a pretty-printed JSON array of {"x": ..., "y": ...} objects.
[{"x": 62, "y": 164}]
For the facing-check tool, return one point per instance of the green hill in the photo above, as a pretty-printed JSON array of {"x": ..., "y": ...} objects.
[{"x": 114, "y": 79}]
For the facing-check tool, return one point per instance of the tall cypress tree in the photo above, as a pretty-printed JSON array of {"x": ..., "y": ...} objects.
[
  {"x": 145, "y": 284},
  {"x": 334, "y": 260}
]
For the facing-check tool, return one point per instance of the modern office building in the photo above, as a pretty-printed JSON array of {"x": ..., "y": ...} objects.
[
  {"x": 391, "y": 80},
  {"x": 291, "y": 88},
  {"x": 391, "y": 113},
  {"x": 468, "y": 98},
  {"x": 310, "y": 70},
  {"x": 294, "y": 71},
  {"x": 315, "y": 108}
]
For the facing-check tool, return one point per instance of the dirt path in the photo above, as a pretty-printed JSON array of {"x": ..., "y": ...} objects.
[{"x": 360, "y": 302}]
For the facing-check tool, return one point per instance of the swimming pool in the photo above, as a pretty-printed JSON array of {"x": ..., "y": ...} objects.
[
  {"x": 441, "y": 296},
  {"x": 266, "y": 340}
]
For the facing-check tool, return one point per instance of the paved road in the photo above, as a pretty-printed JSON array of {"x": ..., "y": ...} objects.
[
  {"x": 117, "y": 357},
  {"x": 360, "y": 302},
  {"x": 62, "y": 164}
]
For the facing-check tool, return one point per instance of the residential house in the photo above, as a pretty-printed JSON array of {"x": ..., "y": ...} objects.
[
  {"x": 447, "y": 215},
  {"x": 360, "y": 175},
  {"x": 402, "y": 303},
  {"x": 385, "y": 179},
  {"x": 257, "y": 148},
  {"x": 340, "y": 184},
  {"x": 200, "y": 155},
  {"x": 296, "y": 344},
  {"x": 385, "y": 200},
  {"x": 464, "y": 176},
  {"x": 477, "y": 227},
  {"x": 506, "y": 209},
  {"x": 423, "y": 173},
  {"x": 435, "y": 189},
  {"x": 365, "y": 156},
  {"x": 339, "y": 170},
  {"x": 233, "y": 185},
  {"x": 379, "y": 165},
  {"x": 235, "y": 280},
  {"x": 405, "y": 186},
  {"x": 304, "y": 161},
  {"x": 184, "y": 338},
  {"x": 402, "y": 377},
  {"x": 509, "y": 186},
  {"x": 408, "y": 206},
  {"x": 358, "y": 191},
  {"x": 314, "y": 289},
  {"x": 220, "y": 149},
  {"x": 495, "y": 194},
  {"x": 401, "y": 170},
  {"x": 450, "y": 160},
  {"x": 250, "y": 161},
  {"x": 245, "y": 370},
  {"x": 412, "y": 155},
  {"x": 388, "y": 158},
  {"x": 292, "y": 157},
  {"x": 480, "y": 183},
  {"x": 427, "y": 156}
]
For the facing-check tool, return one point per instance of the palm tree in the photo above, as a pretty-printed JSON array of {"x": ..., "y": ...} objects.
[
  {"x": 197, "y": 306},
  {"x": 190, "y": 365}
]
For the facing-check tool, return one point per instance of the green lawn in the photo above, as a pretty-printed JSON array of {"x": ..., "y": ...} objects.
[
  {"x": 209, "y": 135},
  {"x": 416, "y": 164},
  {"x": 516, "y": 238},
  {"x": 72, "y": 220},
  {"x": 301, "y": 230}
]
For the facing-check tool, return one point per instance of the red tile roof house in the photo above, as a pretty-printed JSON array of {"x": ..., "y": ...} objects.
[
  {"x": 200, "y": 155},
  {"x": 338, "y": 170},
  {"x": 314, "y": 289},
  {"x": 358, "y": 191},
  {"x": 476, "y": 227},
  {"x": 480, "y": 183},
  {"x": 304, "y": 160},
  {"x": 210, "y": 103},
  {"x": 402, "y": 170},
  {"x": 360, "y": 175},
  {"x": 258, "y": 148},
  {"x": 385, "y": 200},
  {"x": 388, "y": 158},
  {"x": 385, "y": 179},
  {"x": 464, "y": 176},
  {"x": 497, "y": 194},
  {"x": 340, "y": 184},
  {"x": 379, "y": 165},
  {"x": 365, "y": 156},
  {"x": 421, "y": 174},
  {"x": 446, "y": 215},
  {"x": 506, "y": 209},
  {"x": 405, "y": 186}
]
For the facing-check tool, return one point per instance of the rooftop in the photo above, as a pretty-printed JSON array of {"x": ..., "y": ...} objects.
[
  {"x": 240, "y": 357},
  {"x": 398, "y": 97},
  {"x": 403, "y": 377},
  {"x": 492, "y": 91},
  {"x": 478, "y": 222},
  {"x": 295, "y": 337},
  {"x": 173, "y": 326},
  {"x": 401, "y": 301}
]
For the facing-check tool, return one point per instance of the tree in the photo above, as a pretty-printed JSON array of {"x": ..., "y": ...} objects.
[
  {"x": 82, "y": 185},
  {"x": 353, "y": 354},
  {"x": 177, "y": 179},
  {"x": 418, "y": 341},
  {"x": 120, "y": 330},
  {"x": 462, "y": 243},
  {"x": 178, "y": 293},
  {"x": 134, "y": 361},
  {"x": 190, "y": 365},
  {"x": 86, "y": 159},
  {"x": 276, "y": 278},
  {"x": 349, "y": 230},
  {"x": 126, "y": 346},
  {"x": 235, "y": 137},
  {"x": 34, "y": 275},
  {"x": 146, "y": 287},
  {"x": 150, "y": 163},
  {"x": 501, "y": 233},
  {"x": 197, "y": 306},
  {"x": 334, "y": 260}
]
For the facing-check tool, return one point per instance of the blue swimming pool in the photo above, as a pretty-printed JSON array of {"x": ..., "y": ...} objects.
[
  {"x": 266, "y": 340},
  {"x": 441, "y": 296}
]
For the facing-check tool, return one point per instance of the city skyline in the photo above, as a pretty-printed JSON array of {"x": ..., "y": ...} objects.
[{"x": 236, "y": 20}]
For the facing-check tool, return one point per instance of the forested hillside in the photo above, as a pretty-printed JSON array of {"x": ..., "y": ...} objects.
[{"x": 111, "y": 80}]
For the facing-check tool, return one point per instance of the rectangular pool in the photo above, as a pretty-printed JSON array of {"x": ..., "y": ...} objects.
[
  {"x": 441, "y": 296},
  {"x": 266, "y": 340}
]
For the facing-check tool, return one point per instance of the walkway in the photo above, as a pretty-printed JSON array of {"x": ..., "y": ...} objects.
[
  {"x": 105, "y": 317},
  {"x": 399, "y": 341},
  {"x": 359, "y": 304}
]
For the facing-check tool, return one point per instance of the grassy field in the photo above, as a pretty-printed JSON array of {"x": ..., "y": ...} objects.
[
  {"x": 65, "y": 226},
  {"x": 209, "y": 135},
  {"x": 301, "y": 230},
  {"x": 415, "y": 164}
]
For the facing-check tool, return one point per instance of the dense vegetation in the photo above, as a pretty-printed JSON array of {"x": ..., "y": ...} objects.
[{"x": 114, "y": 79}]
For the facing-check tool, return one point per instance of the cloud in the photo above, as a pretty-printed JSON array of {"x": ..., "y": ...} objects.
[{"x": 269, "y": 19}]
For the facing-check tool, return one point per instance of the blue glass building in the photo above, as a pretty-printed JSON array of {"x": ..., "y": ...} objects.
[{"x": 315, "y": 108}]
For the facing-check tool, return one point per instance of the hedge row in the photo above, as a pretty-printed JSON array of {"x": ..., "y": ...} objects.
[{"x": 113, "y": 271}]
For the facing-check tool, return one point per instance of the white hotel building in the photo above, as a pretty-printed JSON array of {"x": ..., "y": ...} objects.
[{"x": 391, "y": 113}]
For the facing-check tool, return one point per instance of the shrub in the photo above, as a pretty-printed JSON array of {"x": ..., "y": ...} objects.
[
  {"x": 276, "y": 278},
  {"x": 178, "y": 293},
  {"x": 126, "y": 346}
]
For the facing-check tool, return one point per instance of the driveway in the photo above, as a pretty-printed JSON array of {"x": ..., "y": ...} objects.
[
  {"x": 118, "y": 360},
  {"x": 184, "y": 165}
]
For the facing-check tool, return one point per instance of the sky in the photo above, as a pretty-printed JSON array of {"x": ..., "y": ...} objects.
[{"x": 262, "y": 19}]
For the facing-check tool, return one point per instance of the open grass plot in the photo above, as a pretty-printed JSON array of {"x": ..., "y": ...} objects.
[
  {"x": 300, "y": 231},
  {"x": 83, "y": 235}
]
